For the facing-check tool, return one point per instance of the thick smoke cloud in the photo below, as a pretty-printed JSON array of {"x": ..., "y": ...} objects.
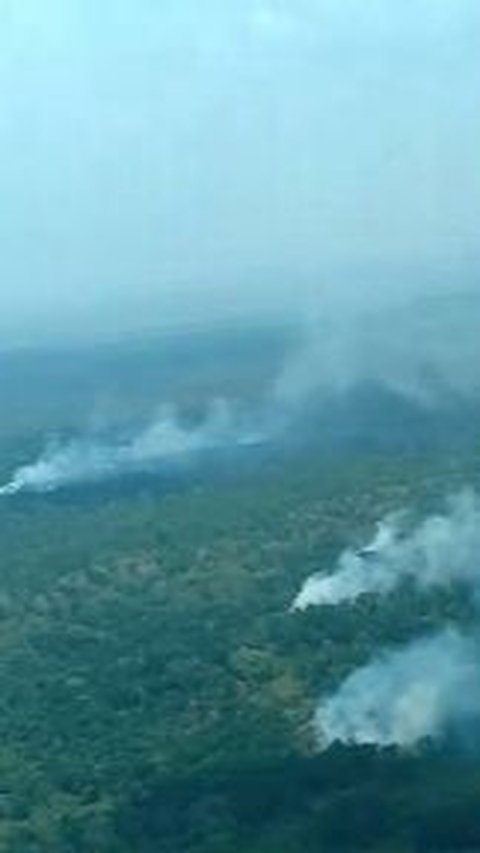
[
  {"x": 162, "y": 441},
  {"x": 345, "y": 351},
  {"x": 406, "y": 696},
  {"x": 431, "y": 687},
  {"x": 442, "y": 549}
]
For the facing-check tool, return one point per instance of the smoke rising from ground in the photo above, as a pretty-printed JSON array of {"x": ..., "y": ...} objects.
[
  {"x": 424, "y": 350},
  {"x": 164, "y": 440},
  {"x": 431, "y": 687},
  {"x": 405, "y": 696},
  {"x": 442, "y": 549},
  {"x": 425, "y": 357}
]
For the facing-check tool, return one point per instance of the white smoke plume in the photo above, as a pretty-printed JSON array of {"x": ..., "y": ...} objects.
[
  {"x": 163, "y": 440},
  {"x": 425, "y": 351},
  {"x": 442, "y": 549},
  {"x": 406, "y": 696}
]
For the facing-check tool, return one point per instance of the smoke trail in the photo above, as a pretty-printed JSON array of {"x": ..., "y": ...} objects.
[
  {"x": 442, "y": 549},
  {"x": 165, "y": 439},
  {"x": 405, "y": 696}
]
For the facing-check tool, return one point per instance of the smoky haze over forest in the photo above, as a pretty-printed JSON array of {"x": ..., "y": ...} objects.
[
  {"x": 239, "y": 426},
  {"x": 176, "y": 163}
]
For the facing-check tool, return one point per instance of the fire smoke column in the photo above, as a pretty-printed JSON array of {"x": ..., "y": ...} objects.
[
  {"x": 164, "y": 440},
  {"x": 357, "y": 572},
  {"x": 405, "y": 696},
  {"x": 442, "y": 549}
]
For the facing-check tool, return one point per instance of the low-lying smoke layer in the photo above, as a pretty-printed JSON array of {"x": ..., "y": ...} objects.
[
  {"x": 424, "y": 351},
  {"x": 406, "y": 696},
  {"x": 163, "y": 440},
  {"x": 444, "y": 548}
]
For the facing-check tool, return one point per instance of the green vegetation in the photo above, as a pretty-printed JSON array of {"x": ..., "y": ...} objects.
[
  {"x": 157, "y": 694},
  {"x": 46, "y": 391}
]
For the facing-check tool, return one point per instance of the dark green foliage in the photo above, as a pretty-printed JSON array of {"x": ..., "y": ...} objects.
[{"x": 157, "y": 694}]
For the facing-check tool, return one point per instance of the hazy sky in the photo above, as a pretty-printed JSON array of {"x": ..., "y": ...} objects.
[{"x": 167, "y": 159}]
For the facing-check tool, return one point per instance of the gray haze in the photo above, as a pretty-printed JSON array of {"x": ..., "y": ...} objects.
[{"x": 183, "y": 161}]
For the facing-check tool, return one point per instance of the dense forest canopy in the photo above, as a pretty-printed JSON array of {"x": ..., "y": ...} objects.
[
  {"x": 158, "y": 691},
  {"x": 239, "y": 426}
]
